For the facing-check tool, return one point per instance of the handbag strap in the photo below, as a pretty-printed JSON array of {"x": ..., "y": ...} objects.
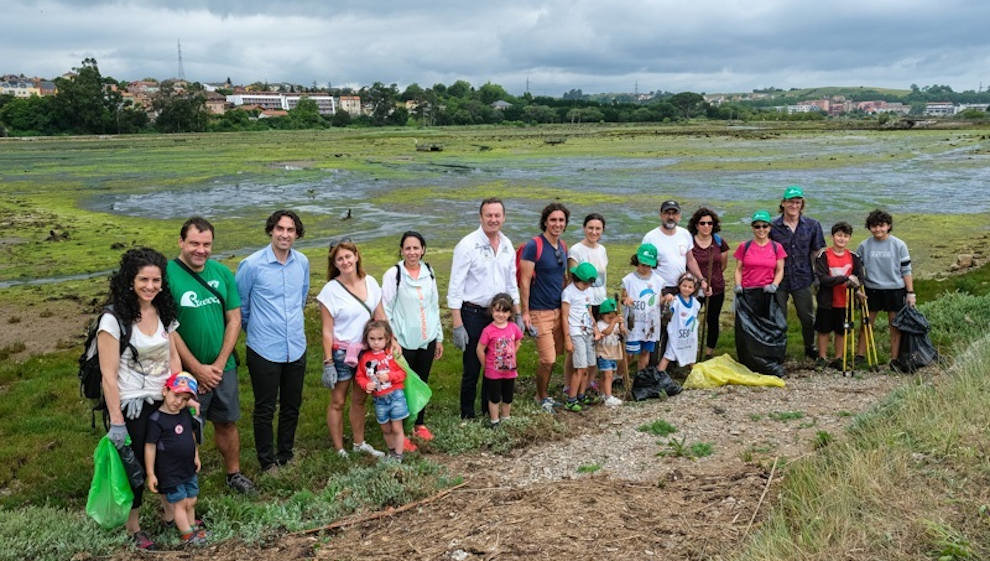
[{"x": 365, "y": 306}]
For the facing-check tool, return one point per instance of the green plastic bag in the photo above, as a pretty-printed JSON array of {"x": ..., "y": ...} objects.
[
  {"x": 418, "y": 394},
  {"x": 110, "y": 495}
]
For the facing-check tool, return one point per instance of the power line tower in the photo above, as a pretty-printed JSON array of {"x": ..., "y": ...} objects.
[{"x": 182, "y": 73}]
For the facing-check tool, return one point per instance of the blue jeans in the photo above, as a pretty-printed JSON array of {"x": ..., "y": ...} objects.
[
  {"x": 188, "y": 489},
  {"x": 390, "y": 407}
]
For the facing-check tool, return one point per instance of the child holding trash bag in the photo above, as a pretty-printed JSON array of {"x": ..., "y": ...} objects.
[
  {"x": 380, "y": 375},
  {"x": 171, "y": 457},
  {"x": 889, "y": 282},
  {"x": 682, "y": 329},
  {"x": 642, "y": 299}
]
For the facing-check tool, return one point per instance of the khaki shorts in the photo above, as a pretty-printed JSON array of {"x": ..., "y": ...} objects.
[{"x": 549, "y": 334}]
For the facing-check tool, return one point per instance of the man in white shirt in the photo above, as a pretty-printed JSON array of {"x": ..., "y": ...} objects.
[
  {"x": 673, "y": 245},
  {"x": 674, "y": 256},
  {"x": 484, "y": 265}
]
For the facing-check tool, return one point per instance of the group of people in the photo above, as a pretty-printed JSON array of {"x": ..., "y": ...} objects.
[{"x": 185, "y": 316}]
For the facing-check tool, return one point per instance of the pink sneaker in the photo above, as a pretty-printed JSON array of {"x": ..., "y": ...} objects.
[{"x": 423, "y": 433}]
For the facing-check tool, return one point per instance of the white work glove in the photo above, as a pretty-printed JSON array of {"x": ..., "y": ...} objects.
[
  {"x": 520, "y": 324},
  {"x": 912, "y": 299},
  {"x": 132, "y": 407},
  {"x": 460, "y": 337},
  {"x": 770, "y": 288},
  {"x": 737, "y": 289}
]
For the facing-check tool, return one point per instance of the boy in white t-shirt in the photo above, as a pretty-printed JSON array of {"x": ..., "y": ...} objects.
[{"x": 580, "y": 331}]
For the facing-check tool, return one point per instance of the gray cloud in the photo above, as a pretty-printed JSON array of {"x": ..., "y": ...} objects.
[{"x": 558, "y": 45}]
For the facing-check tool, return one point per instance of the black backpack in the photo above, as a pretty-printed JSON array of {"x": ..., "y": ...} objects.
[
  {"x": 90, "y": 375},
  {"x": 398, "y": 274}
]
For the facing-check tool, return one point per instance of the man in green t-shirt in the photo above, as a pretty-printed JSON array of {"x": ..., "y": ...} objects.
[{"x": 209, "y": 323}]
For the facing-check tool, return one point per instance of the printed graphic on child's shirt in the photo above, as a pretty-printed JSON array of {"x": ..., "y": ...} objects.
[
  {"x": 376, "y": 367},
  {"x": 505, "y": 356}
]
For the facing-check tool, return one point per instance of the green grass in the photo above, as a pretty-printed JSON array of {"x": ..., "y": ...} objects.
[
  {"x": 589, "y": 468},
  {"x": 908, "y": 480},
  {"x": 784, "y": 416},
  {"x": 657, "y": 428}
]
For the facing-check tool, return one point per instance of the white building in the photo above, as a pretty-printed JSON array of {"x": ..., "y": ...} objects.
[
  {"x": 324, "y": 103},
  {"x": 940, "y": 108}
]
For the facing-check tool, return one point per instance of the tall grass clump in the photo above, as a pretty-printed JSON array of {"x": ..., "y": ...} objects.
[
  {"x": 912, "y": 471},
  {"x": 957, "y": 318}
]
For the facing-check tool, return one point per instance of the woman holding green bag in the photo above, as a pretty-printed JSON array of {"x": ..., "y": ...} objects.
[
  {"x": 139, "y": 310},
  {"x": 412, "y": 304}
]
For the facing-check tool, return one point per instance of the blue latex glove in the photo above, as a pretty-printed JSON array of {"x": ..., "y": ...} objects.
[
  {"x": 118, "y": 435},
  {"x": 737, "y": 289},
  {"x": 520, "y": 324},
  {"x": 460, "y": 337},
  {"x": 329, "y": 378},
  {"x": 770, "y": 288}
]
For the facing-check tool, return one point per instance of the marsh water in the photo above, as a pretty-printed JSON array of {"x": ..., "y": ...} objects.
[{"x": 440, "y": 196}]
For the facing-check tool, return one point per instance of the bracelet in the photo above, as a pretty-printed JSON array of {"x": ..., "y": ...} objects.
[{"x": 910, "y": 292}]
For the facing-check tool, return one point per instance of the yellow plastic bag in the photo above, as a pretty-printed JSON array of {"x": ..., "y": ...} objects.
[{"x": 723, "y": 370}]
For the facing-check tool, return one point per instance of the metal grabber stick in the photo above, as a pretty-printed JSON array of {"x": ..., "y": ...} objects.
[
  {"x": 872, "y": 359},
  {"x": 623, "y": 366},
  {"x": 849, "y": 335}
]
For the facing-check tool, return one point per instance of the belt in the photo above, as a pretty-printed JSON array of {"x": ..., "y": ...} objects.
[{"x": 474, "y": 307}]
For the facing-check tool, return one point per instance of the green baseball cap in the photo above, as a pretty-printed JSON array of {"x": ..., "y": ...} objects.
[
  {"x": 646, "y": 254},
  {"x": 608, "y": 305},
  {"x": 760, "y": 216},
  {"x": 585, "y": 272},
  {"x": 793, "y": 192}
]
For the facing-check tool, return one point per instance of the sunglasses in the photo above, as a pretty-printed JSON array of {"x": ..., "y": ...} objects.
[
  {"x": 705, "y": 223},
  {"x": 559, "y": 256},
  {"x": 761, "y": 226}
]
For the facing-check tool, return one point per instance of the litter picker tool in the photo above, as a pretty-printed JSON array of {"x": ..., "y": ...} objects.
[
  {"x": 849, "y": 334},
  {"x": 872, "y": 359}
]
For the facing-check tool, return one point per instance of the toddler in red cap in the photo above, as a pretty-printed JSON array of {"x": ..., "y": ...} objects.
[{"x": 171, "y": 457}]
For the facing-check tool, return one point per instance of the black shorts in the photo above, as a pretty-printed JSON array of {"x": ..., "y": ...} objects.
[
  {"x": 830, "y": 320},
  {"x": 500, "y": 390},
  {"x": 886, "y": 299}
]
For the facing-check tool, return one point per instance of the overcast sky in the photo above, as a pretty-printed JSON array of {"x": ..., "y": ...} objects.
[{"x": 594, "y": 45}]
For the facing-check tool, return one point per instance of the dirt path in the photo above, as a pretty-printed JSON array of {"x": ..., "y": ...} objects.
[{"x": 534, "y": 504}]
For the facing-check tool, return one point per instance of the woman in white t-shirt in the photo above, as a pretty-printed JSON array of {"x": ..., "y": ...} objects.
[
  {"x": 348, "y": 302},
  {"x": 589, "y": 250},
  {"x": 141, "y": 302}
]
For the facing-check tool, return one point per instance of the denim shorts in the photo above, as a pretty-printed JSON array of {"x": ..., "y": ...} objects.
[
  {"x": 344, "y": 371},
  {"x": 188, "y": 489},
  {"x": 607, "y": 364},
  {"x": 636, "y": 347},
  {"x": 391, "y": 407}
]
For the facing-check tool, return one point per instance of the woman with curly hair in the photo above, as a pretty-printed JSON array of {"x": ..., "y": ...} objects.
[
  {"x": 712, "y": 254},
  {"x": 141, "y": 302}
]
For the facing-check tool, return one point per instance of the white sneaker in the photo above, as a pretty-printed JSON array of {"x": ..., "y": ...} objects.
[
  {"x": 368, "y": 449},
  {"x": 547, "y": 405},
  {"x": 613, "y": 401},
  {"x": 342, "y": 453}
]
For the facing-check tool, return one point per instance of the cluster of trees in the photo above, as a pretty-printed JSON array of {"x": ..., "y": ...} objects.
[{"x": 89, "y": 103}]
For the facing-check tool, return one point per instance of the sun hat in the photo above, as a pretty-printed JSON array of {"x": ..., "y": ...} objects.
[
  {"x": 182, "y": 382},
  {"x": 646, "y": 254},
  {"x": 585, "y": 272},
  {"x": 760, "y": 216},
  {"x": 793, "y": 192}
]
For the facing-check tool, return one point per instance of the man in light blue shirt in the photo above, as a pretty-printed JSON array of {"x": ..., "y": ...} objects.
[{"x": 273, "y": 283}]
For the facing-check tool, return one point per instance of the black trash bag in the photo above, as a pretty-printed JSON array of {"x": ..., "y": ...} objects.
[
  {"x": 133, "y": 468},
  {"x": 649, "y": 383},
  {"x": 916, "y": 348},
  {"x": 761, "y": 332}
]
